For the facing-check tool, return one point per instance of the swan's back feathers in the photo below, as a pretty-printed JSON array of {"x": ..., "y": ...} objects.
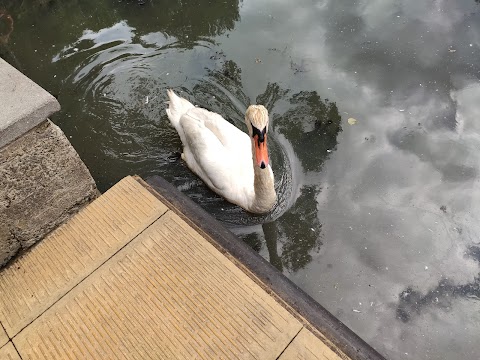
[
  {"x": 177, "y": 106},
  {"x": 229, "y": 135},
  {"x": 226, "y": 133}
]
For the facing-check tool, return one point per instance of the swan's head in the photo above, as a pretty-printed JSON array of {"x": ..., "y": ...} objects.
[{"x": 256, "y": 119}]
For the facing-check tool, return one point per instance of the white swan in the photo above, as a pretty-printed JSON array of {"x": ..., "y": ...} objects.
[{"x": 233, "y": 164}]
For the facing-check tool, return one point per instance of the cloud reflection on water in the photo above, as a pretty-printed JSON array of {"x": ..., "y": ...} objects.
[{"x": 389, "y": 66}]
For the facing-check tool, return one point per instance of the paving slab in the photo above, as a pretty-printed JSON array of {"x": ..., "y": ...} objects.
[
  {"x": 168, "y": 294},
  {"x": 8, "y": 352},
  {"x": 327, "y": 327},
  {"x": 34, "y": 282},
  {"x": 306, "y": 346},
  {"x": 23, "y": 104},
  {"x": 3, "y": 337}
]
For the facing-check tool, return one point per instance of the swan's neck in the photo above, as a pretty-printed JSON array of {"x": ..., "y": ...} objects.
[{"x": 264, "y": 187}]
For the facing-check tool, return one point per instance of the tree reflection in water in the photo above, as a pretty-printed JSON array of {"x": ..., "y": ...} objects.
[
  {"x": 311, "y": 125},
  {"x": 188, "y": 21}
]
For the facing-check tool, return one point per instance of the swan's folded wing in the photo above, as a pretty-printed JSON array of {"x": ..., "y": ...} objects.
[
  {"x": 205, "y": 154},
  {"x": 228, "y": 134}
]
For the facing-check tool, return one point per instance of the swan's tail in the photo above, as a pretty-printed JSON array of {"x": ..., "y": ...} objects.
[{"x": 177, "y": 106}]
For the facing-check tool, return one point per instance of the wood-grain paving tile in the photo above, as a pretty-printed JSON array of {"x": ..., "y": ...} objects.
[
  {"x": 306, "y": 346},
  {"x": 168, "y": 294},
  {"x": 8, "y": 352},
  {"x": 3, "y": 337}
]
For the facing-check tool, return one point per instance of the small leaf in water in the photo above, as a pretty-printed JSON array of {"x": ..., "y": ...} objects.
[{"x": 352, "y": 121}]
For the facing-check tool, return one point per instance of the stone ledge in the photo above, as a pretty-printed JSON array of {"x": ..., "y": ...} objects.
[
  {"x": 43, "y": 182},
  {"x": 23, "y": 104}
]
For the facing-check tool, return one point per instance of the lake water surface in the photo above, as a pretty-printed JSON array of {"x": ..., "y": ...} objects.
[{"x": 375, "y": 119}]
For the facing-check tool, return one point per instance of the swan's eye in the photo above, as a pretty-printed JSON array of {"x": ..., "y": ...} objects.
[{"x": 260, "y": 134}]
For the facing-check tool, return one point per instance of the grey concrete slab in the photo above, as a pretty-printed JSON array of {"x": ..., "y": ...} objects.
[{"x": 23, "y": 104}]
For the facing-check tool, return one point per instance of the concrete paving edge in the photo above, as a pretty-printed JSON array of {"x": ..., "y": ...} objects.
[{"x": 23, "y": 104}]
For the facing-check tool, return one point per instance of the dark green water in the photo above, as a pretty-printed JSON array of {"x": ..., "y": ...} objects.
[{"x": 379, "y": 220}]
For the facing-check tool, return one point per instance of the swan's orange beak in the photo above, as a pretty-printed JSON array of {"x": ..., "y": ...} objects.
[{"x": 261, "y": 153}]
